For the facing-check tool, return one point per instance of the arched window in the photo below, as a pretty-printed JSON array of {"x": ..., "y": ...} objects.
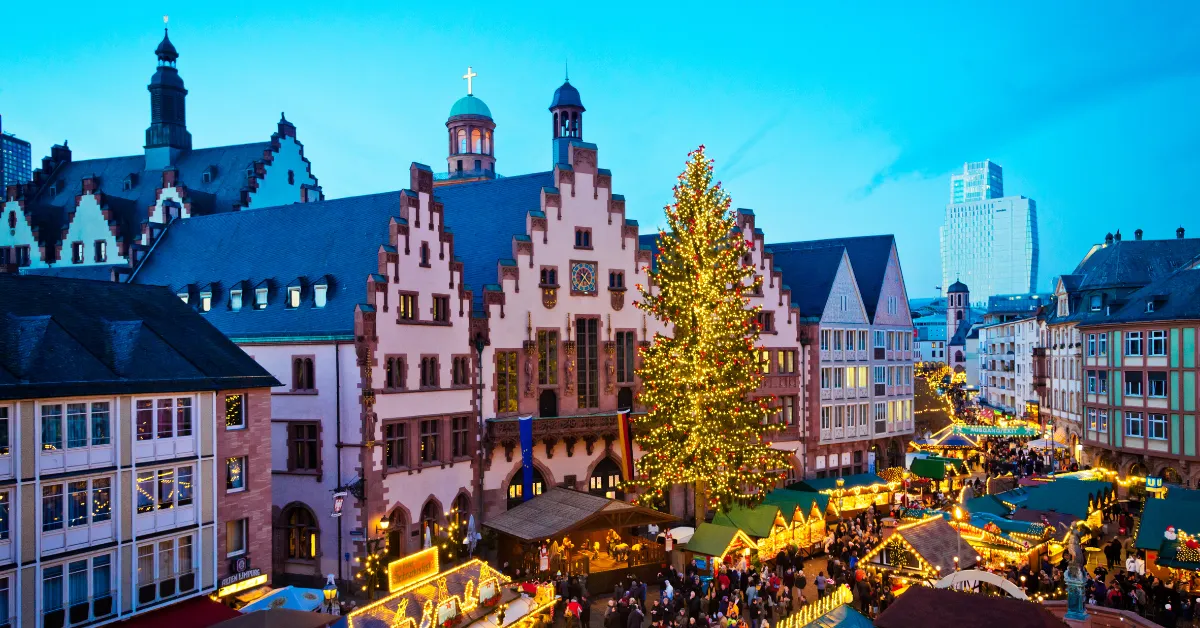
[
  {"x": 462, "y": 140},
  {"x": 487, "y": 142},
  {"x": 958, "y": 315},
  {"x": 302, "y": 374},
  {"x": 516, "y": 487},
  {"x": 476, "y": 141},
  {"x": 606, "y": 480},
  {"x": 429, "y": 519},
  {"x": 302, "y": 534},
  {"x": 459, "y": 512},
  {"x": 958, "y": 356}
]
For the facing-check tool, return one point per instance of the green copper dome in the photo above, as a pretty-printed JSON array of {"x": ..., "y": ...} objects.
[{"x": 470, "y": 106}]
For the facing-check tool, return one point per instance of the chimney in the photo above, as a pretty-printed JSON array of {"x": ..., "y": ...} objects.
[
  {"x": 1179, "y": 232},
  {"x": 60, "y": 154},
  {"x": 285, "y": 128},
  {"x": 1108, "y": 238},
  {"x": 89, "y": 184},
  {"x": 1137, "y": 235},
  {"x": 1117, "y": 236}
]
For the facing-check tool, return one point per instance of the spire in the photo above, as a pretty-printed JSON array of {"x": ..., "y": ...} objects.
[
  {"x": 566, "y": 72},
  {"x": 166, "y": 52},
  {"x": 167, "y": 135}
]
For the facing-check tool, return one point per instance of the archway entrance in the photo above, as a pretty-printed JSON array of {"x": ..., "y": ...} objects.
[
  {"x": 548, "y": 403},
  {"x": 625, "y": 398},
  {"x": 397, "y": 545},
  {"x": 606, "y": 480},
  {"x": 516, "y": 487},
  {"x": 895, "y": 458},
  {"x": 1171, "y": 476}
]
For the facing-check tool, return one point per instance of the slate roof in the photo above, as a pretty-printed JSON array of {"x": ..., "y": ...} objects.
[
  {"x": 562, "y": 510},
  {"x": 1016, "y": 304},
  {"x": 69, "y": 337},
  {"x": 947, "y": 608},
  {"x": 337, "y": 240},
  {"x": 1124, "y": 266},
  {"x": 809, "y": 274},
  {"x": 869, "y": 257},
  {"x": 938, "y": 543},
  {"x": 131, "y": 207},
  {"x": 1175, "y": 297},
  {"x": 484, "y": 216}
]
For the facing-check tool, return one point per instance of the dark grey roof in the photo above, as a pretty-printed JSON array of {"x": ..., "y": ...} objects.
[
  {"x": 484, "y": 216},
  {"x": 67, "y": 337},
  {"x": 957, "y": 286},
  {"x": 1017, "y": 304},
  {"x": 809, "y": 273},
  {"x": 1175, "y": 297},
  {"x": 337, "y": 241},
  {"x": 1134, "y": 263},
  {"x": 130, "y": 208},
  {"x": 566, "y": 96},
  {"x": 96, "y": 272},
  {"x": 869, "y": 257}
]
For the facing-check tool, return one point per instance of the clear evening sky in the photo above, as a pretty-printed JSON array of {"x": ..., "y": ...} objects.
[{"x": 828, "y": 120}]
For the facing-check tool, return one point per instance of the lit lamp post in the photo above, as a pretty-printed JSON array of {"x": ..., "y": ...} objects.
[
  {"x": 958, "y": 513},
  {"x": 841, "y": 493},
  {"x": 331, "y": 593}
]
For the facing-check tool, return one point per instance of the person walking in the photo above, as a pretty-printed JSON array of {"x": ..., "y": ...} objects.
[{"x": 821, "y": 583}]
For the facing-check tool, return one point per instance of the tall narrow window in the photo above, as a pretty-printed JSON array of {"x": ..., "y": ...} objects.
[
  {"x": 506, "y": 381},
  {"x": 547, "y": 341},
  {"x": 430, "y": 440},
  {"x": 459, "y": 427},
  {"x": 441, "y": 309},
  {"x": 626, "y": 350},
  {"x": 52, "y": 427},
  {"x": 460, "y": 370},
  {"x": 429, "y": 372},
  {"x": 101, "y": 251},
  {"x": 302, "y": 447},
  {"x": 395, "y": 445},
  {"x": 77, "y": 425},
  {"x": 406, "y": 307},
  {"x": 302, "y": 375},
  {"x": 394, "y": 373},
  {"x": 588, "y": 361},
  {"x": 235, "y": 412}
]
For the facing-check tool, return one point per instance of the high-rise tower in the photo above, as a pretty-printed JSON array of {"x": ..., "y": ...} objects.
[{"x": 167, "y": 135}]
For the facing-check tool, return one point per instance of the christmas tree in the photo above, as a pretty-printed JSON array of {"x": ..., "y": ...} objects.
[{"x": 702, "y": 427}]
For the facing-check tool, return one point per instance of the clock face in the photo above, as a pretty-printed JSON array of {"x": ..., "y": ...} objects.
[{"x": 583, "y": 277}]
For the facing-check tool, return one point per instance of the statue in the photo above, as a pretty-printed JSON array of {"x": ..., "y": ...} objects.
[
  {"x": 1075, "y": 577},
  {"x": 528, "y": 376}
]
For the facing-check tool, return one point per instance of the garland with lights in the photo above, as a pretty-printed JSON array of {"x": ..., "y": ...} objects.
[{"x": 701, "y": 427}]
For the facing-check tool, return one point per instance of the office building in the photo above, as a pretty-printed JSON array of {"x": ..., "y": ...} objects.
[
  {"x": 991, "y": 245},
  {"x": 980, "y": 180},
  {"x": 14, "y": 159}
]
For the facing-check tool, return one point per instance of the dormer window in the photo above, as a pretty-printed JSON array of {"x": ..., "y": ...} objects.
[
  {"x": 1095, "y": 303},
  {"x": 293, "y": 296},
  {"x": 208, "y": 175},
  {"x": 129, "y": 182},
  {"x": 320, "y": 295},
  {"x": 1149, "y": 306},
  {"x": 183, "y": 296},
  {"x": 249, "y": 173},
  {"x": 205, "y": 300},
  {"x": 53, "y": 189},
  {"x": 260, "y": 298},
  {"x": 235, "y": 299}
]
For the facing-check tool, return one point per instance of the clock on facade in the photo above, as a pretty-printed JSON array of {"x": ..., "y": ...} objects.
[{"x": 583, "y": 277}]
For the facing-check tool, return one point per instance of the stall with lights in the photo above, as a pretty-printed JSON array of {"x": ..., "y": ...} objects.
[
  {"x": 950, "y": 441},
  {"x": 852, "y": 493},
  {"x": 713, "y": 545},
  {"x": 1171, "y": 551},
  {"x": 1000, "y": 542},
  {"x": 766, "y": 524},
  {"x": 945, "y": 474},
  {"x": 809, "y": 511},
  {"x": 422, "y": 596},
  {"x": 920, "y": 552}
]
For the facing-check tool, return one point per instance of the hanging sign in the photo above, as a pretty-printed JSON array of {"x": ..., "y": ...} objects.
[{"x": 338, "y": 499}]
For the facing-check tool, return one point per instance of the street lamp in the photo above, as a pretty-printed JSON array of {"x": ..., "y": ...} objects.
[
  {"x": 841, "y": 495},
  {"x": 958, "y": 530},
  {"x": 373, "y": 565},
  {"x": 331, "y": 593}
]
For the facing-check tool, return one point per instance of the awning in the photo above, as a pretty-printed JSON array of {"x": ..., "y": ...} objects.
[
  {"x": 294, "y": 598},
  {"x": 559, "y": 511},
  {"x": 194, "y": 612},
  {"x": 841, "y": 617},
  {"x": 937, "y": 468}
]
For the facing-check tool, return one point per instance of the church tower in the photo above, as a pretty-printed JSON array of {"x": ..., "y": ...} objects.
[
  {"x": 167, "y": 136},
  {"x": 472, "y": 148},
  {"x": 958, "y": 308},
  {"x": 567, "y": 110}
]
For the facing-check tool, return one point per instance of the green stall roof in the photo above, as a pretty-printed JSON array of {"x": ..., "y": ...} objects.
[
  {"x": 712, "y": 539},
  {"x": 757, "y": 522},
  {"x": 1181, "y": 511}
]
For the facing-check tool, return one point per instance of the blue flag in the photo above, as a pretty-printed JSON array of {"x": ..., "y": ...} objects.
[{"x": 526, "y": 427}]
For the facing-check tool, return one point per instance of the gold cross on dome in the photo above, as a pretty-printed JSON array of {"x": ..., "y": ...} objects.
[
  {"x": 165, "y": 18},
  {"x": 469, "y": 75}
]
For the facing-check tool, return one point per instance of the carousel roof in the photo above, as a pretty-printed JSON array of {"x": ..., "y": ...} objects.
[
  {"x": 1179, "y": 509},
  {"x": 951, "y": 437},
  {"x": 561, "y": 510}
]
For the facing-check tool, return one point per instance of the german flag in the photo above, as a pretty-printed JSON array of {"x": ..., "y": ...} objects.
[{"x": 625, "y": 435}]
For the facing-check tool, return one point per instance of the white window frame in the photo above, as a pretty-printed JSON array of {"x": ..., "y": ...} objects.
[
  {"x": 65, "y": 607},
  {"x": 1133, "y": 419},
  {"x": 1157, "y": 337},
  {"x": 1132, "y": 337},
  {"x": 320, "y": 295},
  {"x": 174, "y": 408},
  {"x": 1157, "y": 426},
  {"x": 156, "y": 503},
  {"x": 235, "y": 299},
  {"x": 245, "y": 525}
]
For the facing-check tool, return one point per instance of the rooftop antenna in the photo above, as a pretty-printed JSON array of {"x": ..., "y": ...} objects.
[{"x": 566, "y": 71}]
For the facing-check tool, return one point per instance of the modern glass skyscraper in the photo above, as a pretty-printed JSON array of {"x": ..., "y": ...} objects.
[
  {"x": 15, "y": 159},
  {"x": 979, "y": 180},
  {"x": 992, "y": 246}
]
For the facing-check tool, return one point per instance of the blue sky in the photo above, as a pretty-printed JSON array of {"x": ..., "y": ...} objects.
[{"x": 828, "y": 120}]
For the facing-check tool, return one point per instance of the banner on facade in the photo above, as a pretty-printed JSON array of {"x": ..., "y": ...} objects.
[
  {"x": 625, "y": 435},
  {"x": 525, "y": 424}
]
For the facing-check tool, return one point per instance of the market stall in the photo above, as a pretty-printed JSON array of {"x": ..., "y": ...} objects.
[
  {"x": 950, "y": 441},
  {"x": 809, "y": 511},
  {"x": 1164, "y": 533},
  {"x": 1001, "y": 542},
  {"x": 945, "y": 474},
  {"x": 580, "y": 533},
  {"x": 920, "y": 552},
  {"x": 471, "y": 593},
  {"x": 851, "y": 493},
  {"x": 714, "y": 545}
]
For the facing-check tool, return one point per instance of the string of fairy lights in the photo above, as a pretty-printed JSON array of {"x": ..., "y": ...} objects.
[{"x": 701, "y": 425}]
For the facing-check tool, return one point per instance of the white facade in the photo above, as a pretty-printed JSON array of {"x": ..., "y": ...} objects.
[
  {"x": 1006, "y": 363},
  {"x": 991, "y": 245}
]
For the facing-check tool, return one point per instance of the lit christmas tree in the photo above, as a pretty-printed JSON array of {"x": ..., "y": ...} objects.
[{"x": 701, "y": 427}]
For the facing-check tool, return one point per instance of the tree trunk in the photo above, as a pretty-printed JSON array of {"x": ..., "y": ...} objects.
[{"x": 700, "y": 502}]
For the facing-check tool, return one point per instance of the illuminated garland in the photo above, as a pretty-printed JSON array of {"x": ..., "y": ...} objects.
[
  {"x": 701, "y": 426},
  {"x": 813, "y": 611}
]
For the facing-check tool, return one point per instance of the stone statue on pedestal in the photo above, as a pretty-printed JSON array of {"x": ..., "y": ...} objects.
[{"x": 1075, "y": 577}]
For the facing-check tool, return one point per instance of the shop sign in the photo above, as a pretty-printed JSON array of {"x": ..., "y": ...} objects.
[
  {"x": 410, "y": 569},
  {"x": 243, "y": 577}
]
